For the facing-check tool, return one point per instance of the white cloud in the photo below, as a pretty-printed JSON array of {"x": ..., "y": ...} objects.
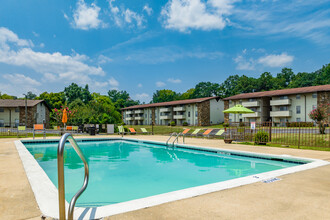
[
  {"x": 122, "y": 16},
  {"x": 244, "y": 63},
  {"x": 274, "y": 60},
  {"x": 142, "y": 97},
  {"x": 103, "y": 59},
  {"x": 184, "y": 15},
  {"x": 113, "y": 83},
  {"x": 51, "y": 65},
  {"x": 171, "y": 80},
  {"x": 147, "y": 9},
  {"x": 160, "y": 84},
  {"x": 20, "y": 79},
  {"x": 139, "y": 85},
  {"x": 85, "y": 17}
]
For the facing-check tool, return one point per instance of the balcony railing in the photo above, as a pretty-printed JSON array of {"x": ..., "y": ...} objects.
[
  {"x": 129, "y": 112},
  {"x": 251, "y": 104},
  {"x": 164, "y": 117},
  {"x": 280, "y": 102},
  {"x": 165, "y": 109},
  {"x": 179, "y": 116},
  {"x": 179, "y": 109},
  {"x": 138, "y": 111},
  {"x": 129, "y": 118},
  {"x": 252, "y": 115},
  {"x": 139, "y": 118},
  {"x": 280, "y": 114}
]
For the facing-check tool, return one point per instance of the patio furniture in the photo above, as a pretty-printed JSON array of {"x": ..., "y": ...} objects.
[
  {"x": 207, "y": 133},
  {"x": 21, "y": 129},
  {"x": 144, "y": 131},
  {"x": 132, "y": 130},
  {"x": 39, "y": 128}
]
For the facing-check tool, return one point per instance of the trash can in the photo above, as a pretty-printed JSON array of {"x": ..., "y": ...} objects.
[{"x": 92, "y": 130}]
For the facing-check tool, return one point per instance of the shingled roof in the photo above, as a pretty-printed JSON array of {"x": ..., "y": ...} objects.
[
  {"x": 178, "y": 102},
  {"x": 14, "y": 103},
  {"x": 309, "y": 89}
]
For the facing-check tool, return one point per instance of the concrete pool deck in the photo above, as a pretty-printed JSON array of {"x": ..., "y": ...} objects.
[{"x": 303, "y": 195}]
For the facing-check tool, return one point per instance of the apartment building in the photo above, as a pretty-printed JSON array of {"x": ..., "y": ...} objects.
[
  {"x": 287, "y": 105},
  {"x": 12, "y": 112},
  {"x": 201, "y": 111}
]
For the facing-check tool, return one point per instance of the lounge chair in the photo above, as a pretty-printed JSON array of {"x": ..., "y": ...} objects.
[
  {"x": 207, "y": 133},
  {"x": 195, "y": 133},
  {"x": 39, "y": 128},
  {"x": 144, "y": 131},
  {"x": 217, "y": 134},
  {"x": 185, "y": 132},
  {"x": 57, "y": 129},
  {"x": 132, "y": 131},
  {"x": 21, "y": 129},
  {"x": 121, "y": 129}
]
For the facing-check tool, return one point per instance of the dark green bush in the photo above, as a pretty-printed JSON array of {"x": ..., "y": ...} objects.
[
  {"x": 261, "y": 137},
  {"x": 225, "y": 125},
  {"x": 172, "y": 123},
  {"x": 185, "y": 123},
  {"x": 300, "y": 124}
]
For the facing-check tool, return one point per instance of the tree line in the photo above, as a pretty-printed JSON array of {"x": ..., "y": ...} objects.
[{"x": 95, "y": 108}]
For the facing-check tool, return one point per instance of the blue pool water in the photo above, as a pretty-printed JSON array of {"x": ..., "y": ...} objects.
[{"x": 125, "y": 170}]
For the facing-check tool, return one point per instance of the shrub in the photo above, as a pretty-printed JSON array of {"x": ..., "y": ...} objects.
[
  {"x": 172, "y": 123},
  {"x": 261, "y": 137},
  {"x": 299, "y": 124},
  {"x": 185, "y": 123},
  {"x": 123, "y": 123},
  {"x": 126, "y": 129},
  {"x": 225, "y": 125}
]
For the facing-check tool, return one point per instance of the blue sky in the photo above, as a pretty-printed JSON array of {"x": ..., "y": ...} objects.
[{"x": 142, "y": 46}]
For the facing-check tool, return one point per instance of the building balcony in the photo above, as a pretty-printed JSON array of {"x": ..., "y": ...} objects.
[
  {"x": 280, "y": 102},
  {"x": 139, "y": 118},
  {"x": 129, "y": 118},
  {"x": 165, "y": 109},
  {"x": 280, "y": 114},
  {"x": 138, "y": 111},
  {"x": 129, "y": 112},
  {"x": 179, "y": 109},
  {"x": 251, "y": 104},
  {"x": 165, "y": 117},
  {"x": 252, "y": 115},
  {"x": 179, "y": 116}
]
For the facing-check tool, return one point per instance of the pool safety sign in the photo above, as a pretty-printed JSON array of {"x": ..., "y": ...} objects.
[{"x": 253, "y": 125}]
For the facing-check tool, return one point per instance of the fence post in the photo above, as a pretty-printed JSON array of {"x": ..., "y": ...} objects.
[
  {"x": 299, "y": 136},
  {"x": 270, "y": 131}
]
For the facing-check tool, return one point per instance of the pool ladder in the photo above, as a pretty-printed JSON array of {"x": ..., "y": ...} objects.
[
  {"x": 60, "y": 170},
  {"x": 175, "y": 139}
]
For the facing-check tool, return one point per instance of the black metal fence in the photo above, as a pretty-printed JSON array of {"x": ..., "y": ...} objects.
[{"x": 285, "y": 133}]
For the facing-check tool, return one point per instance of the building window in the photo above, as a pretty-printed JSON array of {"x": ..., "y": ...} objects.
[
  {"x": 297, "y": 96},
  {"x": 298, "y": 110},
  {"x": 2, "y": 123},
  {"x": 314, "y": 95},
  {"x": 284, "y": 97},
  {"x": 196, "y": 114},
  {"x": 188, "y": 114},
  {"x": 284, "y": 108},
  {"x": 298, "y": 119},
  {"x": 2, "y": 109},
  {"x": 252, "y": 100},
  {"x": 16, "y": 109}
]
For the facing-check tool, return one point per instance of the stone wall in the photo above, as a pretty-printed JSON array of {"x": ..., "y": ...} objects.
[
  {"x": 226, "y": 106},
  {"x": 31, "y": 116},
  {"x": 203, "y": 109},
  {"x": 323, "y": 98},
  {"x": 153, "y": 116}
]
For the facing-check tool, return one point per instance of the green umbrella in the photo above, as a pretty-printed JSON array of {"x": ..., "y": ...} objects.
[{"x": 238, "y": 109}]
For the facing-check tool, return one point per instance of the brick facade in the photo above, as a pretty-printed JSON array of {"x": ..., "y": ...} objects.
[
  {"x": 203, "y": 109},
  {"x": 31, "y": 116},
  {"x": 153, "y": 116},
  {"x": 323, "y": 98}
]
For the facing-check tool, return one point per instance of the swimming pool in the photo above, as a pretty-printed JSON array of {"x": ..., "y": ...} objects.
[{"x": 127, "y": 174}]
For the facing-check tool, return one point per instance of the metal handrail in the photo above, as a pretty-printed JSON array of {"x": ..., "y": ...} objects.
[
  {"x": 176, "y": 139},
  {"x": 60, "y": 170},
  {"x": 170, "y": 137}
]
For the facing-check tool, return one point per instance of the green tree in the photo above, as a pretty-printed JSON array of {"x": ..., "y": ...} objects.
[
  {"x": 164, "y": 95},
  {"x": 6, "y": 96},
  {"x": 188, "y": 94},
  {"x": 206, "y": 89},
  {"x": 265, "y": 82},
  {"x": 73, "y": 92},
  {"x": 227, "y": 88},
  {"x": 54, "y": 100},
  {"x": 86, "y": 95},
  {"x": 31, "y": 95}
]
